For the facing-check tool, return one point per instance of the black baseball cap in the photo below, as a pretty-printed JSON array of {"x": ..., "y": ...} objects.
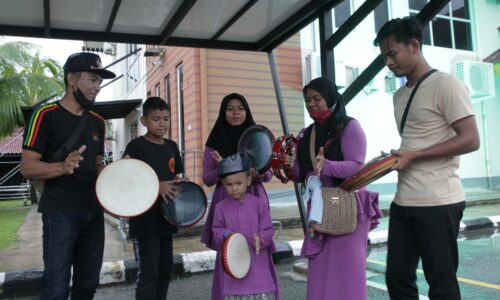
[{"x": 86, "y": 62}]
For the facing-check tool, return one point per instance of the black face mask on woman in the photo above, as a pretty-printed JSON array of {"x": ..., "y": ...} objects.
[{"x": 85, "y": 103}]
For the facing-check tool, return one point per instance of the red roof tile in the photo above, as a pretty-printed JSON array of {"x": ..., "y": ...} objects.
[{"x": 12, "y": 144}]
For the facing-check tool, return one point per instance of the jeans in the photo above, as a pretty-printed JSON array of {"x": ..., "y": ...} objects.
[
  {"x": 429, "y": 233},
  {"x": 72, "y": 239}
]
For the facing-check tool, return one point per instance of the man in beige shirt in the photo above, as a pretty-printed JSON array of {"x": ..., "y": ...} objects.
[{"x": 429, "y": 202}]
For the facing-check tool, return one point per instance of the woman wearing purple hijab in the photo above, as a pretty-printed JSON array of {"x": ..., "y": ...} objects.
[
  {"x": 336, "y": 263},
  {"x": 234, "y": 117}
]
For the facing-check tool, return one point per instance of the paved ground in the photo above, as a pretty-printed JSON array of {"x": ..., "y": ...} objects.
[
  {"x": 478, "y": 274},
  {"x": 27, "y": 253},
  {"x": 478, "y": 269}
]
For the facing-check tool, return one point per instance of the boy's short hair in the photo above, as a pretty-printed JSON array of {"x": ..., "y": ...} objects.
[
  {"x": 154, "y": 103},
  {"x": 402, "y": 30}
]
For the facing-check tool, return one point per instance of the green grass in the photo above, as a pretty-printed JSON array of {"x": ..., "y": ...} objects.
[
  {"x": 10, "y": 221},
  {"x": 7, "y": 204}
]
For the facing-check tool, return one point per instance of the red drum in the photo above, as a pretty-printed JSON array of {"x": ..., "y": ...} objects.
[
  {"x": 257, "y": 142},
  {"x": 188, "y": 207},
  {"x": 371, "y": 171},
  {"x": 282, "y": 146},
  {"x": 236, "y": 257},
  {"x": 127, "y": 187}
]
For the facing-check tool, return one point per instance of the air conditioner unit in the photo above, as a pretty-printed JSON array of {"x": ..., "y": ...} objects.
[
  {"x": 91, "y": 46},
  {"x": 477, "y": 76},
  {"x": 109, "y": 48}
]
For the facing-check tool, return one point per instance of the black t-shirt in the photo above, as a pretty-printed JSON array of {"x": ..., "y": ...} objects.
[
  {"x": 165, "y": 159},
  {"x": 49, "y": 128}
]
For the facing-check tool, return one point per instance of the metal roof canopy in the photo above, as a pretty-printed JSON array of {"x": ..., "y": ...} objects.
[
  {"x": 237, "y": 24},
  {"x": 248, "y": 25}
]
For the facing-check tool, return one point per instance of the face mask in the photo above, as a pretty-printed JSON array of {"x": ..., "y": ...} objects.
[
  {"x": 85, "y": 103},
  {"x": 320, "y": 116}
]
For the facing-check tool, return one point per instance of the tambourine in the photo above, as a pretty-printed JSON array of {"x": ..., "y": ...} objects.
[
  {"x": 236, "y": 256},
  {"x": 282, "y": 146},
  {"x": 371, "y": 171},
  {"x": 256, "y": 142},
  {"x": 188, "y": 206},
  {"x": 123, "y": 195}
]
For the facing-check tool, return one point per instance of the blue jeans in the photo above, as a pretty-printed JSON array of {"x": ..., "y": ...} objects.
[{"x": 72, "y": 239}]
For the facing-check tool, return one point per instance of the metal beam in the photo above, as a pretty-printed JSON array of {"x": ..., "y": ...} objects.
[
  {"x": 284, "y": 125},
  {"x": 293, "y": 24},
  {"x": 112, "y": 17},
  {"x": 176, "y": 20},
  {"x": 424, "y": 16},
  {"x": 235, "y": 18},
  {"x": 351, "y": 23},
  {"x": 215, "y": 44},
  {"x": 46, "y": 17},
  {"x": 123, "y": 38},
  {"x": 327, "y": 55}
]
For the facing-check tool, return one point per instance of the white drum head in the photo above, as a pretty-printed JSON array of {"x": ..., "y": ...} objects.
[
  {"x": 236, "y": 256},
  {"x": 127, "y": 187}
]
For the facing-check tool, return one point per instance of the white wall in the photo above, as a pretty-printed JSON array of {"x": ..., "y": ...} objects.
[
  {"x": 122, "y": 126},
  {"x": 373, "y": 107}
]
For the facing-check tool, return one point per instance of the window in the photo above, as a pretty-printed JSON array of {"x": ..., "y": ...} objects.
[
  {"x": 133, "y": 131},
  {"x": 157, "y": 90},
  {"x": 132, "y": 72},
  {"x": 342, "y": 12},
  {"x": 180, "y": 105},
  {"x": 381, "y": 14},
  {"x": 451, "y": 28},
  {"x": 167, "y": 99}
]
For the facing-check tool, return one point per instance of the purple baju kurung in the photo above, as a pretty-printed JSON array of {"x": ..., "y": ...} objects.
[
  {"x": 248, "y": 217},
  {"x": 337, "y": 264},
  {"x": 210, "y": 178}
]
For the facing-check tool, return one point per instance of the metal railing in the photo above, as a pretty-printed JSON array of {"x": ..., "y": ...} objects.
[
  {"x": 192, "y": 168},
  {"x": 14, "y": 192}
]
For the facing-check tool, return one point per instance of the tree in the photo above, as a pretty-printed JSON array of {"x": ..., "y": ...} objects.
[{"x": 26, "y": 79}]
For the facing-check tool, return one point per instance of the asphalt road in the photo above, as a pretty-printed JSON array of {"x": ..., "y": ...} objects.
[{"x": 478, "y": 273}]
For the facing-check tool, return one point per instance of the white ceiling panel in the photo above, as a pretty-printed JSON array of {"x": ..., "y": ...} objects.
[
  {"x": 21, "y": 12},
  {"x": 207, "y": 17},
  {"x": 144, "y": 17},
  {"x": 91, "y": 15},
  {"x": 261, "y": 18}
]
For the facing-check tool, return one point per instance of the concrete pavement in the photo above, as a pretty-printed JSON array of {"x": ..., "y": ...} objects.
[{"x": 21, "y": 266}]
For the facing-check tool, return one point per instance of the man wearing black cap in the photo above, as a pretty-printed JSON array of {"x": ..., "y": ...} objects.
[{"x": 73, "y": 223}]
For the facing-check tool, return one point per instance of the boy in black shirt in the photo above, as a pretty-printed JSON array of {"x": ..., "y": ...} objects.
[{"x": 151, "y": 232}]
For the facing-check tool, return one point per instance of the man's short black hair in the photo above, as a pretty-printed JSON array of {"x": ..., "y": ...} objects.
[
  {"x": 154, "y": 103},
  {"x": 402, "y": 30}
]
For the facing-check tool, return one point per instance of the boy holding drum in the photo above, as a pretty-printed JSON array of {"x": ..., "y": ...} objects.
[{"x": 151, "y": 232}]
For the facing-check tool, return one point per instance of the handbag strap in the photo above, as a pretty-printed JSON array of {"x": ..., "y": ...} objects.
[
  {"x": 61, "y": 152},
  {"x": 405, "y": 114},
  {"x": 312, "y": 143}
]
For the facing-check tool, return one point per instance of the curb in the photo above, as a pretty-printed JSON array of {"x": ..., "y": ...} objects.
[{"x": 28, "y": 282}]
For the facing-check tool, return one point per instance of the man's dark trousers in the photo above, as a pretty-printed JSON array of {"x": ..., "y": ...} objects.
[{"x": 429, "y": 233}]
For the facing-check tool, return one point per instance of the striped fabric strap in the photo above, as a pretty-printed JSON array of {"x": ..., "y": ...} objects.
[{"x": 34, "y": 124}]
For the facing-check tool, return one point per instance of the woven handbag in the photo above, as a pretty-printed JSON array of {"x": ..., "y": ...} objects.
[{"x": 340, "y": 212}]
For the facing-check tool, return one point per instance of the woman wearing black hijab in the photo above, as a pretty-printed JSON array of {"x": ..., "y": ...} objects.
[
  {"x": 336, "y": 264},
  {"x": 234, "y": 117}
]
